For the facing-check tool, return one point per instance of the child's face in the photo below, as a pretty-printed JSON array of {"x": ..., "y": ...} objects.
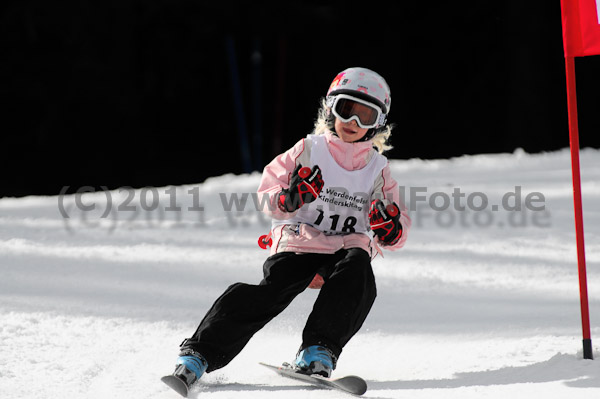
[{"x": 349, "y": 131}]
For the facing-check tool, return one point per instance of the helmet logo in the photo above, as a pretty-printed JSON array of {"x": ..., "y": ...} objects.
[{"x": 337, "y": 79}]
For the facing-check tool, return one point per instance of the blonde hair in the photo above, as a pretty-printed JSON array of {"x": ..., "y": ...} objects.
[{"x": 324, "y": 123}]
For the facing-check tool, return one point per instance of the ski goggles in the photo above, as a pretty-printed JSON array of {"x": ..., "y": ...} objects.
[{"x": 346, "y": 108}]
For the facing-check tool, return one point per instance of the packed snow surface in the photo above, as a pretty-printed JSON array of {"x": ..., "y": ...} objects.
[{"x": 97, "y": 290}]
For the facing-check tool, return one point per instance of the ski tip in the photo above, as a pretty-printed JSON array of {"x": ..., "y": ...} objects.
[
  {"x": 351, "y": 384},
  {"x": 362, "y": 388},
  {"x": 355, "y": 384},
  {"x": 176, "y": 384}
]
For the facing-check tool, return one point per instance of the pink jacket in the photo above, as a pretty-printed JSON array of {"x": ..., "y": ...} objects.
[{"x": 351, "y": 156}]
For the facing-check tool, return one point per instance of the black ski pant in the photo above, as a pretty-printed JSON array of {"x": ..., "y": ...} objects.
[{"x": 243, "y": 309}]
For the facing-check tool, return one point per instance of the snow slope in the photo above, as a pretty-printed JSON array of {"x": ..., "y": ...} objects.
[{"x": 479, "y": 304}]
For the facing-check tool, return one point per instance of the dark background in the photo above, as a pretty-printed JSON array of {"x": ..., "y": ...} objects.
[{"x": 158, "y": 92}]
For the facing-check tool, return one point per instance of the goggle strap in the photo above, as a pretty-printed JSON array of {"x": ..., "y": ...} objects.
[{"x": 329, "y": 101}]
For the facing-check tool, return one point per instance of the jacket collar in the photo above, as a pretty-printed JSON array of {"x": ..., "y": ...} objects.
[{"x": 350, "y": 156}]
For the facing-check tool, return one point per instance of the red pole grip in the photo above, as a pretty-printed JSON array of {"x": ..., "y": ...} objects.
[
  {"x": 391, "y": 210},
  {"x": 304, "y": 172}
]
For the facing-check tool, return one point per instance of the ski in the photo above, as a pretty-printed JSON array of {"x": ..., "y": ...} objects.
[
  {"x": 176, "y": 384},
  {"x": 350, "y": 384}
]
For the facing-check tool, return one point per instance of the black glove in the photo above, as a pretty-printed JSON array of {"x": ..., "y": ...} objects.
[
  {"x": 385, "y": 222},
  {"x": 305, "y": 186}
]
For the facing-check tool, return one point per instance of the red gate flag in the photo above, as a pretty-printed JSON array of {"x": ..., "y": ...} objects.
[
  {"x": 581, "y": 37},
  {"x": 581, "y": 27}
]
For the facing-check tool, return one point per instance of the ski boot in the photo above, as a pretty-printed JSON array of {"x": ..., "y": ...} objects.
[
  {"x": 189, "y": 368},
  {"x": 316, "y": 360}
]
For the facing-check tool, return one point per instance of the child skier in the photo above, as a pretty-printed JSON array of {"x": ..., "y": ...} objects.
[{"x": 329, "y": 192}]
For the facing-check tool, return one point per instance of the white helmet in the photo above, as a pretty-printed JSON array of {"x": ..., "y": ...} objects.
[{"x": 364, "y": 84}]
